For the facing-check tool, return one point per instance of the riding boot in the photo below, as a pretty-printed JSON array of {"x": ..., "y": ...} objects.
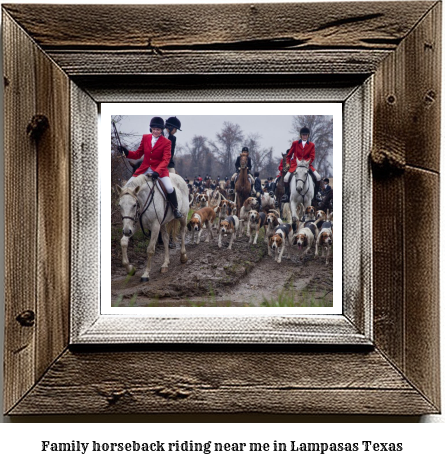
[
  {"x": 316, "y": 187},
  {"x": 286, "y": 195},
  {"x": 174, "y": 204},
  {"x": 232, "y": 184}
]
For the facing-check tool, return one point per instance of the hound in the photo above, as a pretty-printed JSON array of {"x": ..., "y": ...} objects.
[
  {"x": 315, "y": 224},
  {"x": 304, "y": 238},
  {"x": 202, "y": 200},
  {"x": 203, "y": 216},
  {"x": 256, "y": 221},
  {"x": 228, "y": 226},
  {"x": 277, "y": 242},
  {"x": 325, "y": 240},
  {"x": 249, "y": 204},
  {"x": 309, "y": 213},
  {"x": 272, "y": 221},
  {"x": 320, "y": 214}
]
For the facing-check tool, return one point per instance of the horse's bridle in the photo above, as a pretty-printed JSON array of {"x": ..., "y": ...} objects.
[
  {"x": 136, "y": 217},
  {"x": 304, "y": 182}
]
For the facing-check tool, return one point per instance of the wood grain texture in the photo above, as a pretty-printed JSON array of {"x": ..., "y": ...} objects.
[
  {"x": 389, "y": 140},
  {"x": 20, "y": 212},
  {"x": 222, "y": 382},
  {"x": 274, "y": 25},
  {"x": 422, "y": 281},
  {"x": 53, "y": 226},
  {"x": 422, "y": 97},
  {"x": 216, "y": 62}
]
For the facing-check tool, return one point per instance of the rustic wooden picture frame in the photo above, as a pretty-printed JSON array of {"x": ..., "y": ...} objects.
[{"x": 53, "y": 66}]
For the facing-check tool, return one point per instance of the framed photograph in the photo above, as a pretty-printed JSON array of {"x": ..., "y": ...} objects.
[{"x": 76, "y": 320}]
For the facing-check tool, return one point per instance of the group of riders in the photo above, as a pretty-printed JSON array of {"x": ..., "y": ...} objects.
[{"x": 158, "y": 150}]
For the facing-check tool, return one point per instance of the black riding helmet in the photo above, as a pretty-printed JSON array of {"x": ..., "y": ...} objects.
[
  {"x": 157, "y": 122},
  {"x": 173, "y": 122},
  {"x": 304, "y": 130},
  {"x": 245, "y": 149}
]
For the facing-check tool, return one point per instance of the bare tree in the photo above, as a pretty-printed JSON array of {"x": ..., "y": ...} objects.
[
  {"x": 321, "y": 127},
  {"x": 120, "y": 168},
  {"x": 198, "y": 151},
  {"x": 226, "y": 145},
  {"x": 260, "y": 156}
]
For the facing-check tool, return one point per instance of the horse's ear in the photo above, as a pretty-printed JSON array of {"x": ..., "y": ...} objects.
[
  {"x": 118, "y": 189},
  {"x": 137, "y": 190}
]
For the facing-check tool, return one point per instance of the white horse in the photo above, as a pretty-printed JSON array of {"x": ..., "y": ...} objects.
[
  {"x": 301, "y": 188},
  {"x": 141, "y": 197}
]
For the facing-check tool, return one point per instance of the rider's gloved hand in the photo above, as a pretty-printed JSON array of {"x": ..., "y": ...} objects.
[
  {"x": 123, "y": 149},
  {"x": 155, "y": 175}
]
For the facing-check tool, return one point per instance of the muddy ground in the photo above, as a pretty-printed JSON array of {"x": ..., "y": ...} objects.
[{"x": 214, "y": 277}]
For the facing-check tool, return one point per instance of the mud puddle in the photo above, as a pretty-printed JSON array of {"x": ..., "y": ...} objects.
[{"x": 213, "y": 277}]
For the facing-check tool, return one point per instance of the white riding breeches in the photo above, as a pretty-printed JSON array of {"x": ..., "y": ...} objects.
[
  {"x": 166, "y": 181},
  {"x": 317, "y": 176}
]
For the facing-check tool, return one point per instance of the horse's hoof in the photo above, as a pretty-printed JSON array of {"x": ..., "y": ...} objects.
[
  {"x": 164, "y": 269},
  {"x": 184, "y": 258},
  {"x": 132, "y": 271},
  {"x": 145, "y": 280}
]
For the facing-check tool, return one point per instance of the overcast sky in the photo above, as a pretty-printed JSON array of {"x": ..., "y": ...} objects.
[{"x": 274, "y": 130}]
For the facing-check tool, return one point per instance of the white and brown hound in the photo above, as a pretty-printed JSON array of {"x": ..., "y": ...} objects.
[
  {"x": 277, "y": 242},
  {"x": 204, "y": 216},
  {"x": 272, "y": 221},
  {"x": 256, "y": 222},
  {"x": 202, "y": 200},
  {"x": 304, "y": 238},
  {"x": 228, "y": 226},
  {"x": 325, "y": 240},
  {"x": 249, "y": 204},
  {"x": 320, "y": 214},
  {"x": 309, "y": 213}
]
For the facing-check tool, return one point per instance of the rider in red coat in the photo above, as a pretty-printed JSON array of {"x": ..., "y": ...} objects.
[
  {"x": 301, "y": 149},
  {"x": 156, "y": 150}
]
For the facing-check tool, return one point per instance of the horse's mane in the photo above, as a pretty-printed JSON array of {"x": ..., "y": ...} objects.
[{"x": 136, "y": 181}]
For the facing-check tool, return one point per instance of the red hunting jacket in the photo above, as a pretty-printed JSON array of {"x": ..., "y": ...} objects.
[
  {"x": 156, "y": 158},
  {"x": 300, "y": 153}
]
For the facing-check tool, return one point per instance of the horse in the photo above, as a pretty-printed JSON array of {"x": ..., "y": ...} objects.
[
  {"x": 142, "y": 200},
  {"x": 279, "y": 188},
  {"x": 301, "y": 188},
  {"x": 242, "y": 185}
]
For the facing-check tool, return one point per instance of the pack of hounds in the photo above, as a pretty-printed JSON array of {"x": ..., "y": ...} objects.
[{"x": 313, "y": 229}]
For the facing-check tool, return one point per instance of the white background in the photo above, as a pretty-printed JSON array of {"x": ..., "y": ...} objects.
[{"x": 20, "y": 442}]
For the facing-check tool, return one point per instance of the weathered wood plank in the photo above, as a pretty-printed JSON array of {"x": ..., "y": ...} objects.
[
  {"x": 423, "y": 92},
  {"x": 78, "y": 62},
  {"x": 389, "y": 140},
  {"x": 364, "y": 25},
  {"x": 422, "y": 281},
  {"x": 221, "y": 382},
  {"x": 53, "y": 228},
  {"x": 20, "y": 213}
]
